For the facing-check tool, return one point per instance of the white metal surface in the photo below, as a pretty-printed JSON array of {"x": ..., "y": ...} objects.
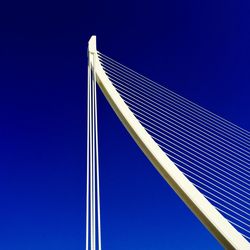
[
  {"x": 228, "y": 236},
  {"x": 93, "y": 222}
]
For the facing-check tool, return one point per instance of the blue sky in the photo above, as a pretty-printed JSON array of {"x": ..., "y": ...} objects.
[{"x": 196, "y": 48}]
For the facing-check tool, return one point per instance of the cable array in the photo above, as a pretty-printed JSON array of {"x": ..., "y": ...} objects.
[
  {"x": 213, "y": 153},
  {"x": 93, "y": 219}
]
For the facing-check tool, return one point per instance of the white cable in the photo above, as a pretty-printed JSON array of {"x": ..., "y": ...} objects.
[
  {"x": 178, "y": 97},
  {"x": 236, "y": 148},
  {"x": 235, "y": 218},
  {"x": 191, "y": 105},
  {"x": 135, "y": 88},
  {"x": 139, "y": 84},
  {"x": 91, "y": 170},
  {"x": 134, "y": 85},
  {"x": 88, "y": 165},
  {"x": 184, "y": 107},
  {"x": 170, "y": 153},
  {"x": 97, "y": 166},
  {"x": 207, "y": 176},
  {"x": 138, "y": 114},
  {"x": 210, "y": 183},
  {"x": 94, "y": 160},
  {"x": 242, "y": 222},
  {"x": 225, "y": 201},
  {"x": 136, "y": 103},
  {"x": 218, "y": 156},
  {"x": 93, "y": 187},
  {"x": 188, "y": 137},
  {"x": 229, "y": 198},
  {"x": 236, "y": 197},
  {"x": 211, "y": 199},
  {"x": 183, "y": 119},
  {"x": 148, "y": 126},
  {"x": 215, "y": 206},
  {"x": 235, "y": 224},
  {"x": 209, "y": 164},
  {"x": 189, "y": 176}
]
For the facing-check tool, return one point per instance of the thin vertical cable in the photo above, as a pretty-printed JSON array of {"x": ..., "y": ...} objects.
[
  {"x": 88, "y": 165},
  {"x": 93, "y": 220},
  {"x": 94, "y": 160},
  {"x": 97, "y": 166},
  {"x": 91, "y": 168}
]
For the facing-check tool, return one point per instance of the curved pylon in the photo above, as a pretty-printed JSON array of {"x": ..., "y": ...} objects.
[{"x": 225, "y": 233}]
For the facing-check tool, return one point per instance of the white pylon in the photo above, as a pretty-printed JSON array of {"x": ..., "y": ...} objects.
[{"x": 93, "y": 222}]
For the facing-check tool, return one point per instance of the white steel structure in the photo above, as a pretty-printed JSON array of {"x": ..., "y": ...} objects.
[{"x": 215, "y": 222}]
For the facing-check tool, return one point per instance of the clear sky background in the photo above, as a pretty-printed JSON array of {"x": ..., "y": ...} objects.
[{"x": 199, "y": 49}]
